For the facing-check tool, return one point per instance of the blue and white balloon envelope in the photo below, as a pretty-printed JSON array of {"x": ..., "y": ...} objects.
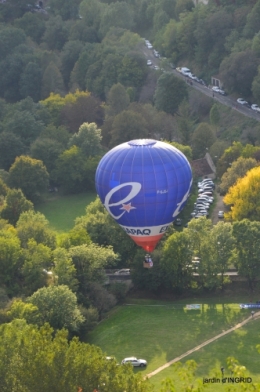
[{"x": 144, "y": 184}]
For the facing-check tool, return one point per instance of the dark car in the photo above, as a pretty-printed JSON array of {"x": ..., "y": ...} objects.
[{"x": 178, "y": 222}]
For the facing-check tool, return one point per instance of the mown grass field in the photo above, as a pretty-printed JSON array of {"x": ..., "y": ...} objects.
[
  {"x": 62, "y": 210},
  {"x": 161, "y": 331}
]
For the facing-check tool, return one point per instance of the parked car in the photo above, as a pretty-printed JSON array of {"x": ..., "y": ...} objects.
[
  {"x": 205, "y": 182},
  {"x": 255, "y": 107},
  {"x": 178, "y": 222},
  {"x": 215, "y": 88},
  {"x": 124, "y": 271},
  {"x": 191, "y": 76},
  {"x": 222, "y": 92},
  {"x": 221, "y": 214},
  {"x": 156, "y": 54},
  {"x": 134, "y": 361},
  {"x": 149, "y": 62},
  {"x": 242, "y": 101},
  {"x": 185, "y": 71},
  {"x": 178, "y": 69},
  {"x": 156, "y": 67},
  {"x": 205, "y": 198}
]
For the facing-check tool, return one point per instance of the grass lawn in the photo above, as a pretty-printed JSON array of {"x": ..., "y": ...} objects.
[
  {"x": 160, "y": 331},
  {"x": 61, "y": 210},
  {"x": 240, "y": 344}
]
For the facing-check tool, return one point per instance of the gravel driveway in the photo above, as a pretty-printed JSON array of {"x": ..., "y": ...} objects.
[{"x": 218, "y": 207}]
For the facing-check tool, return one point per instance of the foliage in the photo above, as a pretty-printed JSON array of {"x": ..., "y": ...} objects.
[
  {"x": 30, "y": 175},
  {"x": 202, "y": 139},
  {"x": 237, "y": 169},
  {"x": 74, "y": 171},
  {"x": 34, "y": 225},
  {"x": 170, "y": 92},
  {"x": 57, "y": 305},
  {"x": 176, "y": 261},
  {"x": 243, "y": 197},
  {"x": 104, "y": 231},
  {"x": 246, "y": 235},
  {"x": 64, "y": 270},
  {"x": 34, "y": 358},
  {"x": 37, "y": 262},
  {"x": 127, "y": 125},
  {"x": 88, "y": 138},
  {"x": 15, "y": 203},
  {"x": 10, "y": 261}
]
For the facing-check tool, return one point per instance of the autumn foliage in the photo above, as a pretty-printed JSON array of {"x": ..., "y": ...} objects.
[{"x": 243, "y": 197}]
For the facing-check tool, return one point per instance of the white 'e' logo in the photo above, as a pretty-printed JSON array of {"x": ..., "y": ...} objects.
[{"x": 136, "y": 186}]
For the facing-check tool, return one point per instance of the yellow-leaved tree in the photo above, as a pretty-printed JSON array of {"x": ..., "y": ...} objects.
[{"x": 243, "y": 197}]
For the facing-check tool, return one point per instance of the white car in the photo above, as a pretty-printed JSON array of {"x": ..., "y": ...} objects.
[
  {"x": 149, "y": 62},
  {"x": 185, "y": 71},
  {"x": 255, "y": 107},
  {"x": 215, "y": 88},
  {"x": 156, "y": 67},
  {"x": 124, "y": 271},
  {"x": 221, "y": 214},
  {"x": 191, "y": 76},
  {"x": 134, "y": 361},
  {"x": 242, "y": 101}
]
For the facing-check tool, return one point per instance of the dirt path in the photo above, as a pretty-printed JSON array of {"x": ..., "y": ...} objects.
[{"x": 166, "y": 365}]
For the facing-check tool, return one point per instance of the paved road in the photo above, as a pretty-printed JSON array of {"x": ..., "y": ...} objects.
[{"x": 225, "y": 100}]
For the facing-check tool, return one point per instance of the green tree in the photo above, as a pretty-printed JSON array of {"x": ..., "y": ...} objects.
[
  {"x": 52, "y": 81},
  {"x": 32, "y": 24},
  {"x": 35, "y": 358},
  {"x": 69, "y": 55},
  {"x": 57, "y": 305},
  {"x": 104, "y": 231},
  {"x": 230, "y": 155},
  {"x": 64, "y": 8},
  {"x": 23, "y": 123},
  {"x": 88, "y": 139},
  {"x": 117, "y": 14},
  {"x": 199, "y": 231},
  {"x": 37, "y": 263},
  {"x": 246, "y": 236},
  {"x": 15, "y": 203},
  {"x": 214, "y": 115},
  {"x": 10, "y": 37},
  {"x": 128, "y": 125},
  {"x": 176, "y": 261},
  {"x": 34, "y": 225},
  {"x": 30, "y": 82},
  {"x": 117, "y": 100},
  {"x": 10, "y": 261},
  {"x": 89, "y": 261},
  {"x": 70, "y": 170},
  {"x": 85, "y": 109},
  {"x": 30, "y": 175},
  {"x": 202, "y": 139},
  {"x": 223, "y": 249},
  {"x": 237, "y": 169},
  {"x": 11, "y": 146},
  {"x": 238, "y": 71},
  {"x": 56, "y": 33},
  {"x": 47, "y": 150},
  {"x": 64, "y": 270},
  {"x": 170, "y": 92}
]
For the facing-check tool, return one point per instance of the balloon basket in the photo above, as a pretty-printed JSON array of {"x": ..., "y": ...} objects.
[{"x": 147, "y": 265}]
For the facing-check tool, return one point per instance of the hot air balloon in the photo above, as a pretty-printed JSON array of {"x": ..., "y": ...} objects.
[{"x": 144, "y": 185}]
